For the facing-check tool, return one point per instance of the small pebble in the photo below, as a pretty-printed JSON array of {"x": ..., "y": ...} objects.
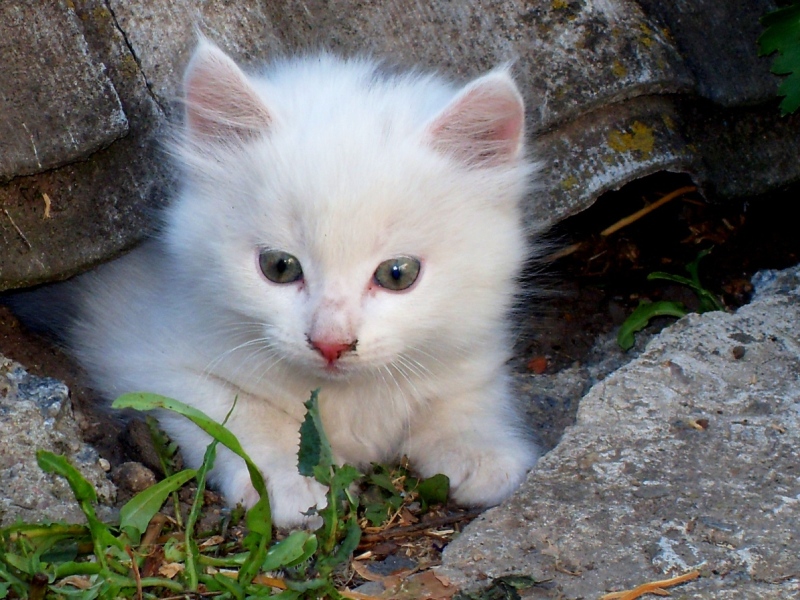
[{"x": 134, "y": 477}]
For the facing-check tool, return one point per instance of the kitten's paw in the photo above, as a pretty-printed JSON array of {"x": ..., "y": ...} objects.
[
  {"x": 290, "y": 496},
  {"x": 481, "y": 474}
]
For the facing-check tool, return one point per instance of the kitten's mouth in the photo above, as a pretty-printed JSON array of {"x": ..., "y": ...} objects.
[{"x": 335, "y": 370}]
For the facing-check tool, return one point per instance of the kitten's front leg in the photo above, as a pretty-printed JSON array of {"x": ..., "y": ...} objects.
[
  {"x": 268, "y": 435},
  {"x": 478, "y": 440},
  {"x": 291, "y": 495}
]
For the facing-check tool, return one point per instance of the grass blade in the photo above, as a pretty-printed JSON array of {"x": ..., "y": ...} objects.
[
  {"x": 139, "y": 510},
  {"x": 102, "y": 537},
  {"x": 641, "y": 316},
  {"x": 143, "y": 401},
  {"x": 192, "y": 552}
]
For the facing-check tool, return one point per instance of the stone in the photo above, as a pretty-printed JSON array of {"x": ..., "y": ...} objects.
[
  {"x": 36, "y": 414},
  {"x": 60, "y": 222},
  {"x": 607, "y": 148},
  {"x": 717, "y": 41},
  {"x": 685, "y": 458},
  {"x": 570, "y": 56},
  {"x": 58, "y": 104},
  {"x": 132, "y": 478}
]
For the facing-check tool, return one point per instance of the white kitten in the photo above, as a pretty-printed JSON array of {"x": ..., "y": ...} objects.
[{"x": 337, "y": 228}]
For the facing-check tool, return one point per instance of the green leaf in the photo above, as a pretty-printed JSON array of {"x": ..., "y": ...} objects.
[
  {"x": 781, "y": 29},
  {"x": 166, "y": 450},
  {"x": 192, "y": 552},
  {"x": 77, "y": 568},
  {"x": 52, "y": 463},
  {"x": 383, "y": 480},
  {"x": 140, "y": 510},
  {"x": 642, "y": 315},
  {"x": 315, "y": 450},
  {"x": 19, "y": 586},
  {"x": 349, "y": 544},
  {"x": 788, "y": 63},
  {"x": 376, "y": 513},
  {"x": 670, "y": 277},
  {"x": 173, "y": 550},
  {"x": 790, "y": 89},
  {"x": 84, "y": 493},
  {"x": 434, "y": 490},
  {"x": 296, "y": 548},
  {"x": 259, "y": 523},
  {"x": 143, "y": 401},
  {"x": 782, "y": 34},
  {"x": 22, "y": 564},
  {"x": 230, "y": 585}
]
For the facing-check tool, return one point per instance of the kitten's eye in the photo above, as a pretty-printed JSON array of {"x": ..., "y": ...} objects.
[
  {"x": 279, "y": 266},
  {"x": 397, "y": 273}
]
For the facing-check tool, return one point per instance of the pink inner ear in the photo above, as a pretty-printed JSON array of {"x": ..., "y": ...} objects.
[
  {"x": 220, "y": 102},
  {"x": 484, "y": 125}
]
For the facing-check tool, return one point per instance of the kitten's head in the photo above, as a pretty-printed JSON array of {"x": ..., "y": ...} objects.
[{"x": 352, "y": 221}]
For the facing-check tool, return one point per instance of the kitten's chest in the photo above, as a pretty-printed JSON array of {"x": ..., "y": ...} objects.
[{"x": 364, "y": 423}]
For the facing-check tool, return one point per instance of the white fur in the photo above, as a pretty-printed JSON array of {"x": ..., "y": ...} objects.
[{"x": 343, "y": 167}]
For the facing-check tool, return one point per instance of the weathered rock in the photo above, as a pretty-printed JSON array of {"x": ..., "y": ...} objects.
[
  {"x": 571, "y": 56},
  {"x": 131, "y": 478},
  {"x": 745, "y": 151},
  {"x": 686, "y": 458},
  {"x": 36, "y": 414},
  {"x": 607, "y": 148},
  {"x": 718, "y": 43},
  {"x": 57, "y": 103},
  {"x": 59, "y": 222}
]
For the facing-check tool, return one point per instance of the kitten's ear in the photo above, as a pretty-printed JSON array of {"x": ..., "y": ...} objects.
[
  {"x": 221, "y": 103},
  {"x": 484, "y": 124}
]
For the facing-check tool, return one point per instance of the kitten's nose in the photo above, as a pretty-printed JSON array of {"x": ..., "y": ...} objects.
[{"x": 332, "y": 351}]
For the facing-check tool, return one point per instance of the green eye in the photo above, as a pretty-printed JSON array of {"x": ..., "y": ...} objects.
[
  {"x": 279, "y": 266},
  {"x": 397, "y": 274}
]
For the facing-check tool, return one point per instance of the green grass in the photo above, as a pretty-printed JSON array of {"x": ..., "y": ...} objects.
[
  {"x": 646, "y": 311},
  {"x": 100, "y": 560}
]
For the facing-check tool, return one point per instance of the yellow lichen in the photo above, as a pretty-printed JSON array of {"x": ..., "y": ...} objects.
[
  {"x": 559, "y": 4},
  {"x": 129, "y": 67},
  {"x": 646, "y": 38},
  {"x": 569, "y": 183},
  {"x": 640, "y": 138},
  {"x": 619, "y": 69}
]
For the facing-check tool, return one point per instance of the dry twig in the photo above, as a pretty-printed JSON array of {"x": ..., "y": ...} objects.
[
  {"x": 646, "y": 210},
  {"x": 417, "y": 528},
  {"x": 653, "y": 587}
]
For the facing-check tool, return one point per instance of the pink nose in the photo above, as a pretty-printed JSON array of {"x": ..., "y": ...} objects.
[{"x": 332, "y": 351}]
